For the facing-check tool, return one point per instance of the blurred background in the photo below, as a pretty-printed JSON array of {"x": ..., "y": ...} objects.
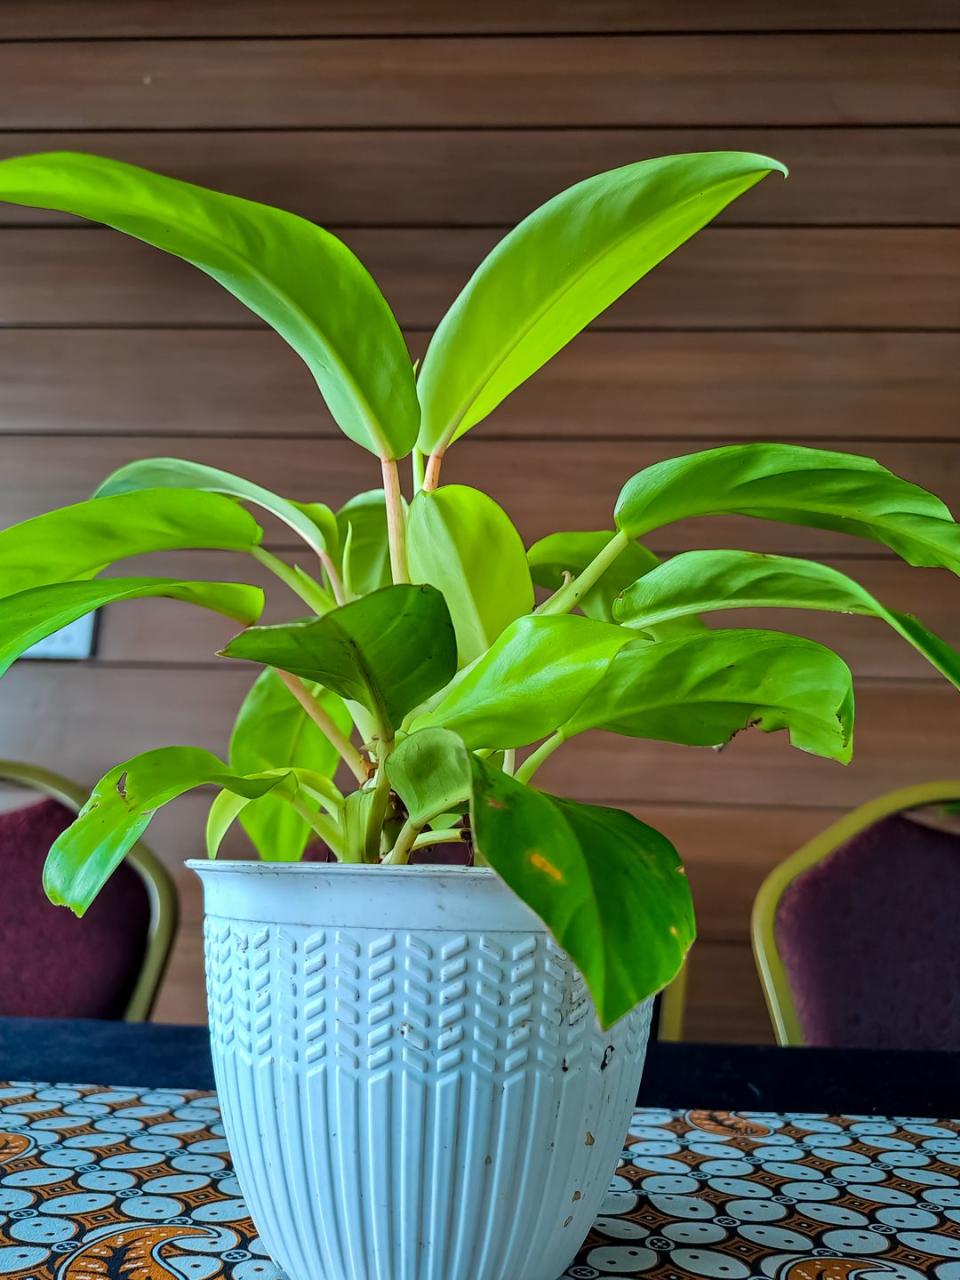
[{"x": 820, "y": 310}]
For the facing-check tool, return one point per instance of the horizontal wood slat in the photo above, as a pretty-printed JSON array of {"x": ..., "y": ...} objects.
[
  {"x": 806, "y": 79},
  {"x": 489, "y": 177},
  {"x": 111, "y": 18},
  {"x": 718, "y": 386},
  {"x": 568, "y": 484},
  {"x": 82, "y": 720},
  {"x": 172, "y": 632},
  {"x": 728, "y": 278}
]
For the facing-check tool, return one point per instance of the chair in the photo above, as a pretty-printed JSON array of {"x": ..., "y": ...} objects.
[
  {"x": 857, "y": 935},
  {"x": 107, "y": 965}
]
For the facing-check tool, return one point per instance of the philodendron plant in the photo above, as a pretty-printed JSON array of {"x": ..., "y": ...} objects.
[{"x": 420, "y": 664}]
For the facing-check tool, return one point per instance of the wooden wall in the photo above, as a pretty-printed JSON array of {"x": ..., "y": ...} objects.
[{"x": 824, "y": 309}]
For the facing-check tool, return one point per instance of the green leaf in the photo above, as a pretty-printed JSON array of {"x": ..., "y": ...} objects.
[
  {"x": 707, "y": 581},
  {"x": 81, "y": 540},
  {"x": 178, "y": 473},
  {"x": 610, "y": 889},
  {"x": 461, "y": 542},
  {"x": 294, "y": 788},
  {"x": 701, "y": 690},
  {"x": 32, "y": 615},
  {"x": 388, "y": 651},
  {"x": 272, "y": 731},
  {"x": 816, "y": 487},
  {"x": 532, "y": 679},
  {"x": 561, "y": 555},
  {"x": 301, "y": 280},
  {"x": 558, "y": 270},
  {"x": 365, "y": 549},
  {"x": 120, "y": 809},
  {"x": 430, "y": 772}
]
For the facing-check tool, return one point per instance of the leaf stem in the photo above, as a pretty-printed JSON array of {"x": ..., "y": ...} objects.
[
  {"x": 396, "y": 522},
  {"x": 452, "y": 836},
  {"x": 343, "y": 746},
  {"x": 323, "y": 826},
  {"x": 403, "y": 847},
  {"x": 330, "y": 569},
  {"x": 378, "y": 806},
  {"x": 571, "y": 593},
  {"x": 432, "y": 477},
  {"x": 536, "y": 758},
  {"x": 301, "y": 584},
  {"x": 416, "y": 466}
]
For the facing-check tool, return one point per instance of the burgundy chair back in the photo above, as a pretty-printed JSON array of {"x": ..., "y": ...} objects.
[
  {"x": 54, "y": 965},
  {"x": 870, "y": 940}
]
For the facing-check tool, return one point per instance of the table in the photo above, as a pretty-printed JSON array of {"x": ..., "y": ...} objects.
[
  {"x": 98, "y": 1182},
  {"x": 720, "y": 1076}
]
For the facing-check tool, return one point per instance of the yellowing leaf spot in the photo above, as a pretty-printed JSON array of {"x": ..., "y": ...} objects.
[{"x": 540, "y": 863}]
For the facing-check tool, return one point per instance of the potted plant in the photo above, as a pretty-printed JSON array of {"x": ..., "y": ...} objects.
[{"x": 427, "y": 1070}]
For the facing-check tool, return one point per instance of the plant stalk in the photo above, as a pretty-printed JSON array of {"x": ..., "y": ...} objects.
[
  {"x": 432, "y": 477},
  {"x": 330, "y": 569},
  {"x": 571, "y": 593},
  {"x": 378, "y": 806},
  {"x": 301, "y": 584},
  {"x": 343, "y": 746},
  {"x": 416, "y": 466},
  {"x": 536, "y": 758},
  {"x": 396, "y": 521},
  {"x": 400, "y": 853},
  {"x": 324, "y": 827}
]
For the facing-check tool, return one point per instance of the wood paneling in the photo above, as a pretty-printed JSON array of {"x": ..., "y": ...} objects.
[
  {"x": 358, "y": 177},
  {"x": 671, "y": 80},
  {"x": 730, "y": 278},
  {"x": 153, "y": 18},
  {"x": 709, "y": 386},
  {"x": 566, "y": 484},
  {"x": 820, "y": 310}
]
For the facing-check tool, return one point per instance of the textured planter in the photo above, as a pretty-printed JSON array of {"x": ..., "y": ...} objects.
[{"x": 413, "y": 1082}]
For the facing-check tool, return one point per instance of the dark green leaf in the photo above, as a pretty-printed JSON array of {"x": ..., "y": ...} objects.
[
  {"x": 32, "y": 615},
  {"x": 706, "y": 581},
  {"x": 702, "y": 689},
  {"x": 120, "y": 809},
  {"x": 80, "y": 541},
  {"x": 556, "y": 271},
  {"x": 815, "y": 487},
  {"x": 464, "y": 544},
  {"x": 531, "y": 680},
  {"x": 301, "y": 280},
  {"x": 272, "y": 731},
  {"x": 610, "y": 889},
  {"x": 388, "y": 651}
]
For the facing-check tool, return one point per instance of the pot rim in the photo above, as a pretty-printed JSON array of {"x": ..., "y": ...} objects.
[{"x": 254, "y": 866}]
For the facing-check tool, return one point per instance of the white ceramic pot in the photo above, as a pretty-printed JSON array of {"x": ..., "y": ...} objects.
[{"x": 413, "y": 1081}]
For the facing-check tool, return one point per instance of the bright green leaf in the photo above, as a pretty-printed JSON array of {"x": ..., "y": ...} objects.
[
  {"x": 120, "y": 809},
  {"x": 816, "y": 487},
  {"x": 610, "y": 889},
  {"x": 32, "y": 615},
  {"x": 560, "y": 556},
  {"x": 464, "y": 544},
  {"x": 703, "y": 689},
  {"x": 365, "y": 550},
  {"x": 178, "y": 473},
  {"x": 559, "y": 269},
  {"x": 430, "y": 772},
  {"x": 531, "y": 680},
  {"x": 706, "y": 581},
  {"x": 388, "y": 651},
  {"x": 295, "y": 790},
  {"x": 81, "y": 540},
  {"x": 272, "y": 731},
  {"x": 301, "y": 280}
]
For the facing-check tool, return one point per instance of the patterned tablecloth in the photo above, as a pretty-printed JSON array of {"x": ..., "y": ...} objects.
[{"x": 126, "y": 1184}]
